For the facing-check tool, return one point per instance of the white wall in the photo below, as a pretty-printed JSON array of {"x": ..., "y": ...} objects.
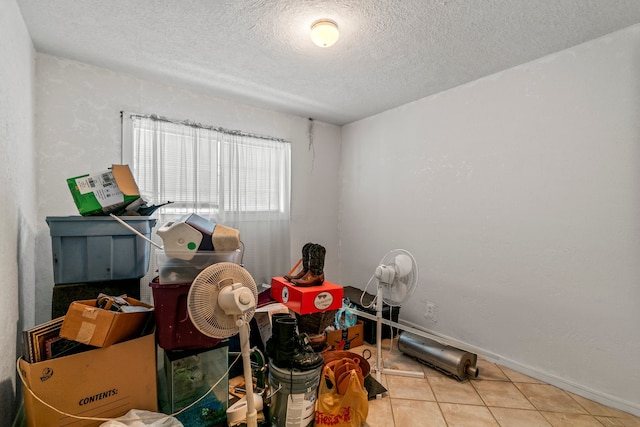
[
  {"x": 17, "y": 198},
  {"x": 519, "y": 195},
  {"x": 78, "y": 131}
]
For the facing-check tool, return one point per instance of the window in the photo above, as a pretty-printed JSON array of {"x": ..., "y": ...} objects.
[{"x": 230, "y": 177}]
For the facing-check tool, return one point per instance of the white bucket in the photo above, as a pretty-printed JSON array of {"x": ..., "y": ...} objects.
[{"x": 294, "y": 404}]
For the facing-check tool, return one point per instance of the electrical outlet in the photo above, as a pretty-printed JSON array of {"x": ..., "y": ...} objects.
[{"x": 430, "y": 311}]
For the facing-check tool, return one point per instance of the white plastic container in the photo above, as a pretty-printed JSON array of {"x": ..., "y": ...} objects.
[{"x": 173, "y": 270}]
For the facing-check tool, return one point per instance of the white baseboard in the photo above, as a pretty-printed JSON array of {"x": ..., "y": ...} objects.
[{"x": 580, "y": 390}]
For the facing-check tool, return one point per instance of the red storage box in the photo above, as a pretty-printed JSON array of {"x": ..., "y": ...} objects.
[
  {"x": 174, "y": 329},
  {"x": 313, "y": 299}
]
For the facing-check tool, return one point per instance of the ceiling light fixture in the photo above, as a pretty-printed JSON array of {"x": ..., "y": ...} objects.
[{"x": 324, "y": 32}]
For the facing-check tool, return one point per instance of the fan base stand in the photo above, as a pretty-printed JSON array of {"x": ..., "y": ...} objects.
[
  {"x": 413, "y": 374},
  {"x": 397, "y": 372},
  {"x": 380, "y": 369}
]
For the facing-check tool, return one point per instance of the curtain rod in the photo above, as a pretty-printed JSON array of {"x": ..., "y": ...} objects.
[{"x": 201, "y": 126}]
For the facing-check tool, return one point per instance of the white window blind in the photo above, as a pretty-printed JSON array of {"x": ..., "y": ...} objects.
[{"x": 229, "y": 177}]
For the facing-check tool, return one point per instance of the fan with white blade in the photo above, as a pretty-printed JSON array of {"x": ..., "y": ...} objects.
[
  {"x": 397, "y": 277},
  {"x": 221, "y": 303}
]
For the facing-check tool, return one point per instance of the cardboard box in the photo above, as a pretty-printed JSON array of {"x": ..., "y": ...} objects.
[
  {"x": 105, "y": 382},
  {"x": 301, "y": 300},
  {"x": 104, "y": 192},
  {"x": 88, "y": 324},
  {"x": 344, "y": 339}
]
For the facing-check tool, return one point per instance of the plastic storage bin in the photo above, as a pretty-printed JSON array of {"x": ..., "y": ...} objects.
[
  {"x": 174, "y": 329},
  {"x": 177, "y": 270},
  {"x": 99, "y": 248}
]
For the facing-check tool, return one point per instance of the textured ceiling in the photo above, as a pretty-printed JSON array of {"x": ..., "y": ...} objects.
[{"x": 390, "y": 52}]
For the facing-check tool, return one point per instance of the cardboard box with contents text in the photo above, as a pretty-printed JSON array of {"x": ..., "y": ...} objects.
[
  {"x": 88, "y": 324},
  {"x": 301, "y": 300},
  {"x": 105, "y": 382}
]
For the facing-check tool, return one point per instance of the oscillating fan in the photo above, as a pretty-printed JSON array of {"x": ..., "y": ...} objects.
[
  {"x": 221, "y": 303},
  {"x": 397, "y": 277}
]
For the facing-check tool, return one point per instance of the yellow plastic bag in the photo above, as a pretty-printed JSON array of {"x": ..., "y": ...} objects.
[{"x": 335, "y": 410}]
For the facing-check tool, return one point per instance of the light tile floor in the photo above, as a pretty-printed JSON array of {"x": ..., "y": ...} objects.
[{"x": 498, "y": 397}]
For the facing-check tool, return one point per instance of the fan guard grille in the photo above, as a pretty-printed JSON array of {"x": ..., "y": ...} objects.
[
  {"x": 202, "y": 301},
  {"x": 406, "y": 278}
]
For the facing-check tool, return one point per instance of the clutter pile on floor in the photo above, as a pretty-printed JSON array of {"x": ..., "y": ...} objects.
[{"x": 120, "y": 360}]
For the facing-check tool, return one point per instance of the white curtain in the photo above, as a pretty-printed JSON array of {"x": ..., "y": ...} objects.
[{"x": 229, "y": 177}]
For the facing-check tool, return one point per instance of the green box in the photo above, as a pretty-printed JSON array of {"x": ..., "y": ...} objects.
[{"x": 104, "y": 192}]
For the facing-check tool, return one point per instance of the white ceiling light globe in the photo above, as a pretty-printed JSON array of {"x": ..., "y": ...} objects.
[{"x": 324, "y": 33}]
